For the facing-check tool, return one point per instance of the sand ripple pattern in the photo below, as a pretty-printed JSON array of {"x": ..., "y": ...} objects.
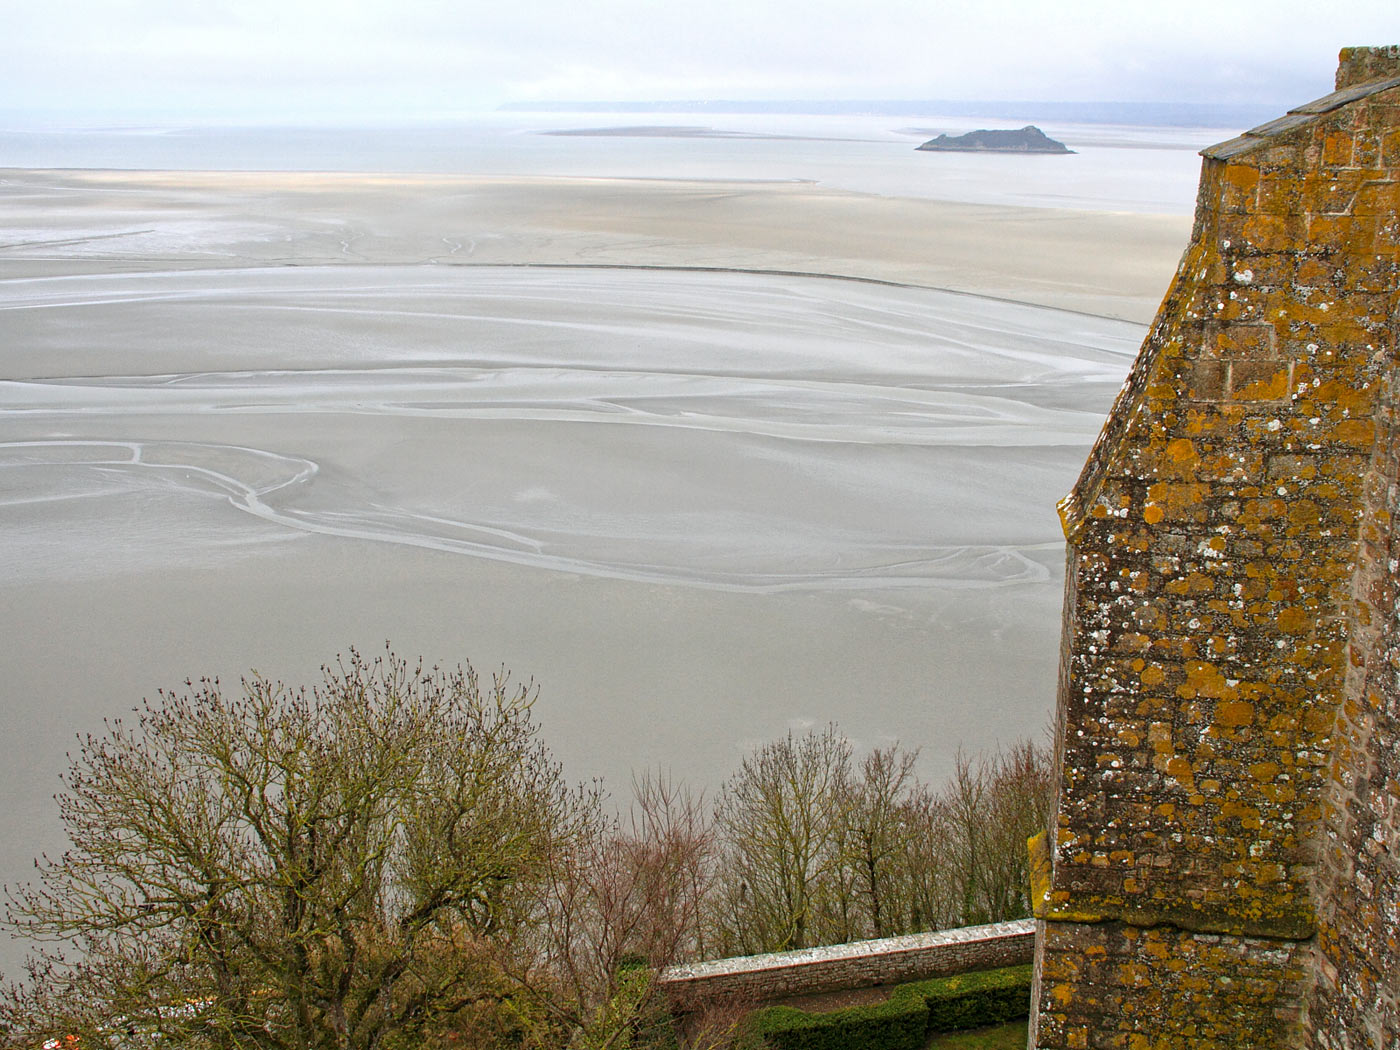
[{"x": 734, "y": 431}]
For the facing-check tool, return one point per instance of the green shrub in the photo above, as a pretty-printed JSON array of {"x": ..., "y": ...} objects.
[
  {"x": 904, "y": 1021},
  {"x": 896, "y": 1024},
  {"x": 975, "y": 1000}
]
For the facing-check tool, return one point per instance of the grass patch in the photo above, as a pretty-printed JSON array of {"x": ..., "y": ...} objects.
[{"x": 1009, "y": 1036}]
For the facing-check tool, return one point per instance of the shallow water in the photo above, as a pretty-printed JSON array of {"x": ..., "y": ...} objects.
[{"x": 1127, "y": 168}]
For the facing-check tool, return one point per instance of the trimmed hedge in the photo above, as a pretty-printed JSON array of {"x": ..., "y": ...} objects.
[
  {"x": 896, "y": 1024},
  {"x": 906, "y": 1019},
  {"x": 977, "y": 999}
]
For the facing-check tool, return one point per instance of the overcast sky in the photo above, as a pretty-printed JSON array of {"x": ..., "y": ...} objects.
[{"x": 383, "y": 59}]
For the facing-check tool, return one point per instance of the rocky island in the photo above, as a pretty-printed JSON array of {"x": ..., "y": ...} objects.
[{"x": 1029, "y": 139}]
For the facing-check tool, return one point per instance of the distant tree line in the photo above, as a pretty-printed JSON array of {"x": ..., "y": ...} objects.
[{"x": 393, "y": 859}]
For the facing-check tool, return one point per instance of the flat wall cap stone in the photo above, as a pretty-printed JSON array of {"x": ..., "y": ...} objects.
[
  {"x": 1338, "y": 99},
  {"x": 1279, "y": 125},
  {"x": 1298, "y": 117},
  {"x": 1231, "y": 148}
]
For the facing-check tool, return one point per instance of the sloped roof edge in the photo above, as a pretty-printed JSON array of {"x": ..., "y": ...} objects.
[{"x": 1297, "y": 117}]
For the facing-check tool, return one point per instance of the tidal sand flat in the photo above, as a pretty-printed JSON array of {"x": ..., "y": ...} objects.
[
  {"x": 247, "y": 421},
  {"x": 1113, "y": 264},
  {"x": 699, "y": 508},
  {"x": 739, "y": 432}
]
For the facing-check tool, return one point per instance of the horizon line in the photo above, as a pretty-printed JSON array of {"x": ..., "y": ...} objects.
[{"x": 1090, "y": 111}]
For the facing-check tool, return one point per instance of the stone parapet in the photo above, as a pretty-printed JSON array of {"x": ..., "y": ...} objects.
[{"x": 1360, "y": 65}]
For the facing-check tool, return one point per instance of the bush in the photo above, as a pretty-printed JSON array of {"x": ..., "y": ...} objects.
[
  {"x": 912, "y": 1013},
  {"x": 975, "y": 1000},
  {"x": 899, "y": 1023}
]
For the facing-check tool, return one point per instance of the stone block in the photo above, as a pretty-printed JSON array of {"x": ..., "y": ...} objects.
[
  {"x": 1337, "y": 148},
  {"x": 1350, "y": 234},
  {"x": 1390, "y": 147},
  {"x": 1205, "y": 381},
  {"x": 1271, "y": 233},
  {"x": 1259, "y": 380},
  {"x": 1281, "y": 194},
  {"x": 1245, "y": 340}
]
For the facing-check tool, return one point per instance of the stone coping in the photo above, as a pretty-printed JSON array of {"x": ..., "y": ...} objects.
[
  {"x": 1296, "y": 117},
  {"x": 835, "y": 953}
]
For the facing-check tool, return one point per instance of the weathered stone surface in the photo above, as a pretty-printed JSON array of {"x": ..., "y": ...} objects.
[
  {"x": 1356, "y": 998},
  {"x": 1212, "y": 637},
  {"x": 1127, "y": 987},
  {"x": 1359, "y": 65}
]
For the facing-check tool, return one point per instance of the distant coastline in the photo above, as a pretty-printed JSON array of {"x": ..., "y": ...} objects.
[
  {"x": 669, "y": 131},
  {"x": 676, "y": 131},
  {"x": 1151, "y": 114}
]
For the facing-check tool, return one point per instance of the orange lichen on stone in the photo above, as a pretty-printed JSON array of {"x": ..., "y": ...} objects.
[
  {"x": 1182, "y": 452},
  {"x": 1179, "y": 767},
  {"x": 1234, "y": 713},
  {"x": 1161, "y": 987},
  {"x": 1264, "y": 381}
]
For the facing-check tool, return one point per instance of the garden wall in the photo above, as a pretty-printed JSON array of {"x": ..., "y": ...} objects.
[{"x": 755, "y": 979}]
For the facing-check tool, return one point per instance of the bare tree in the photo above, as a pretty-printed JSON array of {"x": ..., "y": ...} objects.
[
  {"x": 1019, "y": 798},
  {"x": 815, "y": 852},
  {"x": 619, "y": 903},
  {"x": 780, "y": 818},
  {"x": 970, "y": 849},
  {"x": 965, "y": 801},
  {"x": 290, "y": 869},
  {"x": 878, "y": 835},
  {"x": 929, "y": 874}
]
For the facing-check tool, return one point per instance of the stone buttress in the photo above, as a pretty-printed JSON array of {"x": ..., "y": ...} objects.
[{"x": 1213, "y": 541}]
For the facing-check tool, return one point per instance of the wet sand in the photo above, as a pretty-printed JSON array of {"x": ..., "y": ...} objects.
[
  {"x": 250, "y": 420},
  {"x": 1109, "y": 264}
]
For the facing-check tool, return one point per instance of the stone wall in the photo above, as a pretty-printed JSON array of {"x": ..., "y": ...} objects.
[
  {"x": 1162, "y": 986},
  {"x": 1358, "y": 65},
  {"x": 755, "y": 979},
  {"x": 1356, "y": 1000},
  {"x": 1212, "y": 542}
]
